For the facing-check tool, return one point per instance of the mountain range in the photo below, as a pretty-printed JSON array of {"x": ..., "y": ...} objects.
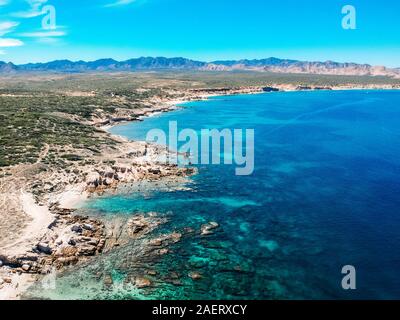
[{"x": 161, "y": 63}]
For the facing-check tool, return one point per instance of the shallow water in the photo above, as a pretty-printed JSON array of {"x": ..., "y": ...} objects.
[{"x": 324, "y": 194}]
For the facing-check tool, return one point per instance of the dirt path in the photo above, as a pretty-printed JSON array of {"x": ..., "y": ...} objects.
[{"x": 43, "y": 154}]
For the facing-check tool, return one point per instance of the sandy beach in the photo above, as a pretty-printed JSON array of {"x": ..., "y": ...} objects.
[{"x": 40, "y": 218}]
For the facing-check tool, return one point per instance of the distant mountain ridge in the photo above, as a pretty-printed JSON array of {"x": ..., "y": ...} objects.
[{"x": 161, "y": 63}]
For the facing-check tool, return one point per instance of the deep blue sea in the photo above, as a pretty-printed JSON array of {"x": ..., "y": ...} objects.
[{"x": 325, "y": 193}]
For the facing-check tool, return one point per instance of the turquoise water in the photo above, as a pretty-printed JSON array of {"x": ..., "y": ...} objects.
[{"x": 324, "y": 194}]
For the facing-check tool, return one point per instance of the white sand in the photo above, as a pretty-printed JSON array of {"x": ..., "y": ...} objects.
[
  {"x": 72, "y": 197},
  {"x": 19, "y": 284},
  {"x": 40, "y": 219}
]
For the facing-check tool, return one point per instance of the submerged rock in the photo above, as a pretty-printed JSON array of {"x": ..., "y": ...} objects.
[
  {"x": 271, "y": 245},
  {"x": 197, "y": 262},
  {"x": 207, "y": 229},
  {"x": 142, "y": 282},
  {"x": 151, "y": 272},
  {"x": 156, "y": 242},
  {"x": 163, "y": 251},
  {"x": 108, "y": 281},
  {"x": 195, "y": 275}
]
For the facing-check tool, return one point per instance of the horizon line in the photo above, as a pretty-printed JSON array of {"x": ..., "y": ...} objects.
[{"x": 198, "y": 60}]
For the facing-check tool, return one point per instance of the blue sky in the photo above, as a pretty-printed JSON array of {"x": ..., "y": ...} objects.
[{"x": 200, "y": 29}]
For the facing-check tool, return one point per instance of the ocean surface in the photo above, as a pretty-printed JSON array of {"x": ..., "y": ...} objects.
[{"x": 325, "y": 193}]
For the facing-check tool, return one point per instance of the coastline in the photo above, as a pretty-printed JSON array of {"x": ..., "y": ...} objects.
[
  {"x": 173, "y": 104},
  {"x": 42, "y": 215}
]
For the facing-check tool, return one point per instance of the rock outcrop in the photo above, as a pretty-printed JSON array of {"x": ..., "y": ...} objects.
[{"x": 70, "y": 239}]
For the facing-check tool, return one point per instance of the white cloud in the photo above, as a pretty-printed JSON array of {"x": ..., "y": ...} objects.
[
  {"x": 10, "y": 43},
  {"x": 43, "y": 34},
  {"x": 120, "y": 3},
  {"x": 7, "y": 26},
  {"x": 49, "y": 40},
  {"x": 34, "y": 11},
  {"x": 27, "y": 14},
  {"x": 3, "y": 2}
]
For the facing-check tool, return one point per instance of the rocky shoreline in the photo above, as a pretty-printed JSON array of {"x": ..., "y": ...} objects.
[{"x": 72, "y": 238}]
